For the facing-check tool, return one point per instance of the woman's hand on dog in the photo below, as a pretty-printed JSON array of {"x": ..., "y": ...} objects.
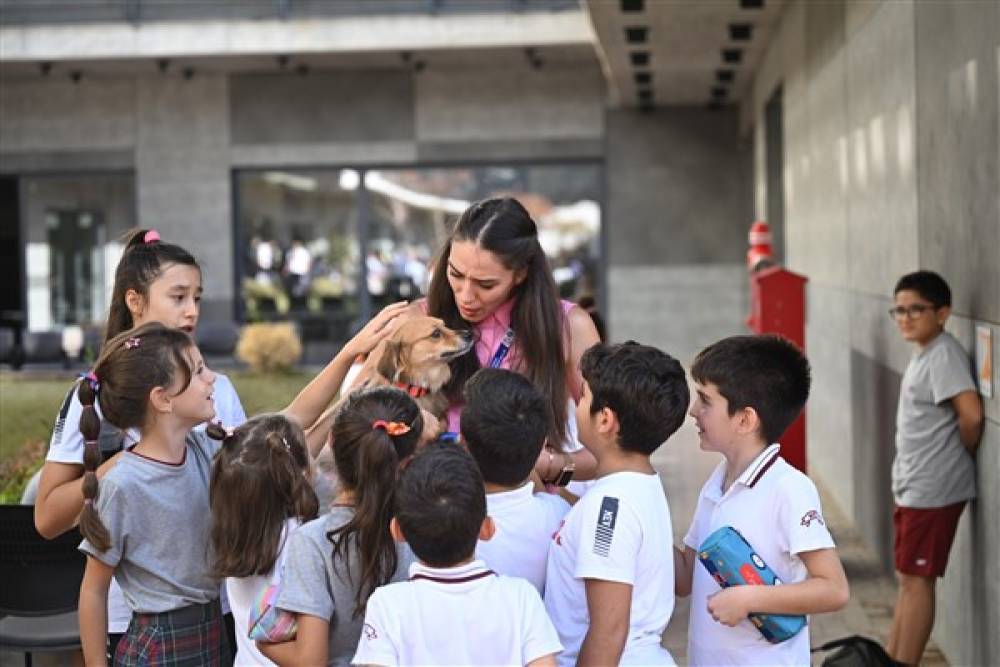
[
  {"x": 432, "y": 428},
  {"x": 377, "y": 329}
]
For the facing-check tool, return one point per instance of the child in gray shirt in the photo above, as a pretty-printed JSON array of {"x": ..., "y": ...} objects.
[
  {"x": 335, "y": 562},
  {"x": 938, "y": 425}
]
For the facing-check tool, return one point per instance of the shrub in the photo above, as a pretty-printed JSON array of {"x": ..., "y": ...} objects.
[{"x": 269, "y": 346}]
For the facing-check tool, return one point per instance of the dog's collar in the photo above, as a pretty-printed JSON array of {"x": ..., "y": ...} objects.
[{"x": 412, "y": 389}]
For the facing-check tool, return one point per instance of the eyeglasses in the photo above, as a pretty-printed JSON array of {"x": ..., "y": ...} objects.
[{"x": 911, "y": 312}]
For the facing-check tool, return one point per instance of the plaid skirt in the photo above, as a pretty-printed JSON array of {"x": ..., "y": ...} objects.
[{"x": 189, "y": 636}]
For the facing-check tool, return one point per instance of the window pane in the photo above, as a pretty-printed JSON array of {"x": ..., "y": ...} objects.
[
  {"x": 414, "y": 208},
  {"x": 300, "y": 234},
  {"x": 300, "y": 258},
  {"x": 74, "y": 227}
]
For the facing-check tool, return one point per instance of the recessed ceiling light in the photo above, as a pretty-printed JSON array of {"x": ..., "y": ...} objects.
[
  {"x": 740, "y": 32},
  {"x": 643, "y": 78},
  {"x": 724, "y": 75},
  {"x": 636, "y": 34},
  {"x": 639, "y": 58},
  {"x": 751, "y": 4},
  {"x": 633, "y": 5},
  {"x": 732, "y": 55}
]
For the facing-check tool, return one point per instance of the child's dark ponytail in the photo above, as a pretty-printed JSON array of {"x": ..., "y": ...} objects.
[
  {"x": 374, "y": 432},
  {"x": 91, "y": 526}
]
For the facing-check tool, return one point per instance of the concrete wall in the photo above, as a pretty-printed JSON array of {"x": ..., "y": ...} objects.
[
  {"x": 678, "y": 208},
  {"x": 891, "y": 164}
]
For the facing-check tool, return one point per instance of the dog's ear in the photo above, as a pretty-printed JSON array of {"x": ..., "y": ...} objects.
[{"x": 391, "y": 360}]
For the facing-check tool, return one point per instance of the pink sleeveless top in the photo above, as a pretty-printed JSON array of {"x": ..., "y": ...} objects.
[{"x": 489, "y": 334}]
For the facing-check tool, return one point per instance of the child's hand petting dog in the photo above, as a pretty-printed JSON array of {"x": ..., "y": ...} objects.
[{"x": 378, "y": 327}]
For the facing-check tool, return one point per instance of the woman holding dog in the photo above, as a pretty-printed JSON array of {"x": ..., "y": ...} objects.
[{"x": 493, "y": 277}]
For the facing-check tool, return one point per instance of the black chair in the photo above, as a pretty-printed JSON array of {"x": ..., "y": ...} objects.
[{"x": 39, "y": 586}]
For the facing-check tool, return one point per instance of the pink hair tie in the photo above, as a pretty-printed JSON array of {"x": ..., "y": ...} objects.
[
  {"x": 132, "y": 342},
  {"x": 151, "y": 236}
]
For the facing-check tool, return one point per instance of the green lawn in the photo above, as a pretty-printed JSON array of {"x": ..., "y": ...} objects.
[{"x": 28, "y": 408}]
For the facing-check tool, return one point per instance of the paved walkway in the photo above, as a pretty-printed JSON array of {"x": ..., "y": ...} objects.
[{"x": 684, "y": 468}]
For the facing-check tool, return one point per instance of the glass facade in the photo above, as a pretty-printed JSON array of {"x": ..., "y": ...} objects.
[
  {"x": 73, "y": 229},
  {"x": 328, "y": 246}
]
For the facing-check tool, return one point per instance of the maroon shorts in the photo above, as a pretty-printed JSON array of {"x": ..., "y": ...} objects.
[{"x": 923, "y": 538}]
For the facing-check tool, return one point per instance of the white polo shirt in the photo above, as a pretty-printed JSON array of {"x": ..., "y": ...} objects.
[
  {"x": 620, "y": 531},
  {"x": 525, "y": 522},
  {"x": 465, "y": 615},
  {"x": 777, "y": 509}
]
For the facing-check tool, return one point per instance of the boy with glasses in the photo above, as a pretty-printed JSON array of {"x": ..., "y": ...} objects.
[{"x": 938, "y": 425}]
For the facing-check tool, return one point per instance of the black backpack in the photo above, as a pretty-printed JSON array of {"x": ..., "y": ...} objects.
[{"x": 856, "y": 651}]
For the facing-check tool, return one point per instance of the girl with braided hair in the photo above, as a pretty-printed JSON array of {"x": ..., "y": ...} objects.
[{"x": 146, "y": 522}]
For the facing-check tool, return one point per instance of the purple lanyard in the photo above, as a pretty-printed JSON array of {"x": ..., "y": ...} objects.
[{"x": 501, "y": 353}]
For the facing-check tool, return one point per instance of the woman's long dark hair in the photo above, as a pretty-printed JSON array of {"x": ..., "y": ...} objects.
[
  {"x": 258, "y": 482},
  {"x": 131, "y": 365},
  {"x": 368, "y": 457},
  {"x": 142, "y": 262},
  {"x": 503, "y": 227}
]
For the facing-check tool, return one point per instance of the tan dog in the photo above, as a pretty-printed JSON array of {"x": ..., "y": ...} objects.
[{"x": 415, "y": 358}]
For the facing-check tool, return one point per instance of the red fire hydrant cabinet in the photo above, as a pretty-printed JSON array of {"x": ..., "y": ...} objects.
[{"x": 778, "y": 306}]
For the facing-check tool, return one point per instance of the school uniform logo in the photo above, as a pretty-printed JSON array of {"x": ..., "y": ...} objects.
[
  {"x": 605, "y": 530},
  {"x": 809, "y": 517},
  {"x": 370, "y": 632}
]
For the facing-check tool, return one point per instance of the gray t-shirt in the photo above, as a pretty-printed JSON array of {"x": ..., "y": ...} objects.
[
  {"x": 159, "y": 520},
  {"x": 932, "y": 468},
  {"x": 311, "y": 585}
]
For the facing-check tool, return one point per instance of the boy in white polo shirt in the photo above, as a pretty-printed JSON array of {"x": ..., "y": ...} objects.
[
  {"x": 609, "y": 588},
  {"x": 453, "y": 610},
  {"x": 749, "y": 390},
  {"x": 504, "y": 423}
]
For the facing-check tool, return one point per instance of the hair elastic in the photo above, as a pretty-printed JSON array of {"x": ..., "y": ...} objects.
[
  {"x": 151, "y": 236},
  {"x": 392, "y": 428},
  {"x": 132, "y": 342},
  {"x": 91, "y": 379},
  {"x": 88, "y": 502}
]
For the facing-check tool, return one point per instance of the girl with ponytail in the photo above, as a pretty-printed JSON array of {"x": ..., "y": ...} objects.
[
  {"x": 335, "y": 562},
  {"x": 260, "y": 492},
  {"x": 155, "y": 281}
]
